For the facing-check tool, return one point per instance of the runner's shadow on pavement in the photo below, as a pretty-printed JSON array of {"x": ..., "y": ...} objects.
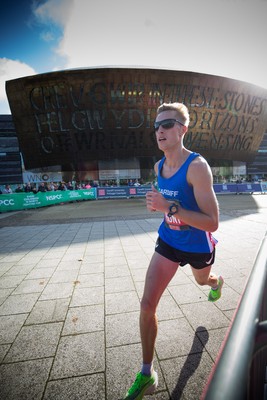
[{"x": 191, "y": 363}]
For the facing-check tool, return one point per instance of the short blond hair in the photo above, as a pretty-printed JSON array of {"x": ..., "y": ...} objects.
[{"x": 180, "y": 108}]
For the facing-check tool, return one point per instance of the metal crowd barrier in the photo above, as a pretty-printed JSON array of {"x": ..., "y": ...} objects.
[
  {"x": 24, "y": 201},
  {"x": 240, "y": 370}
]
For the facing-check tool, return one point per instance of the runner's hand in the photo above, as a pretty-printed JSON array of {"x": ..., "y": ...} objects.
[{"x": 155, "y": 201}]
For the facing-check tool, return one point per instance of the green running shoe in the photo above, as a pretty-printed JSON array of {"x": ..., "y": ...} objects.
[
  {"x": 215, "y": 294},
  {"x": 142, "y": 385}
]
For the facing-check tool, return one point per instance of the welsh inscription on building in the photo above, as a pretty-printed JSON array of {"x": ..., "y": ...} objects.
[{"x": 106, "y": 113}]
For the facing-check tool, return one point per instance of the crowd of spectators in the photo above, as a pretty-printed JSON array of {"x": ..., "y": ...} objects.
[
  {"x": 52, "y": 186},
  {"x": 47, "y": 187}
]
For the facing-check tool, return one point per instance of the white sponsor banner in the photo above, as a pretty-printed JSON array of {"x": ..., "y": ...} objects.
[{"x": 36, "y": 177}]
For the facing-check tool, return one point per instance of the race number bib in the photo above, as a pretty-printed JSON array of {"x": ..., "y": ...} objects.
[{"x": 175, "y": 223}]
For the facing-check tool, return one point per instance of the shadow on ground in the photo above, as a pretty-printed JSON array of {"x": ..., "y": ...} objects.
[{"x": 191, "y": 363}]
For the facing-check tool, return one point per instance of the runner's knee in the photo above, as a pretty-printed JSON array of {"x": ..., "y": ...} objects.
[{"x": 147, "y": 308}]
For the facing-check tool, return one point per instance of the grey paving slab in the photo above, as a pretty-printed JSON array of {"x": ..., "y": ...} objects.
[
  {"x": 90, "y": 280},
  {"x": 20, "y": 269},
  {"x": 212, "y": 340},
  {"x": 84, "y": 319},
  {"x": 119, "y": 284},
  {"x": 28, "y": 259},
  {"x": 10, "y": 326},
  {"x": 116, "y": 260},
  {"x": 91, "y": 268},
  {"x": 122, "y": 329},
  {"x": 39, "y": 273},
  {"x": 187, "y": 293},
  {"x": 204, "y": 314},
  {"x": 139, "y": 274},
  {"x": 186, "y": 376},
  {"x": 4, "y": 267},
  {"x": 18, "y": 304},
  {"x": 48, "y": 311},
  {"x": 176, "y": 338},
  {"x": 117, "y": 271},
  {"x": 82, "y": 388},
  {"x": 121, "y": 302},
  {"x": 60, "y": 276},
  {"x": 168, "y": 308},
  {"x": 87, "y": 296},
  {"x": 70, "y": 291},
  {"x": 24, "y": 380},
  {"x": 35, "y": 341},
  {"x": 49, "y": 262},
  {"x": 3, "y": 351},
  {"x": 61, "y": 290},
  {"x": 69, "y": 265},
  {"x": 8, "y": 281},
  {"x": 79, "y": 355},
  {"x": 31, "y": 286}
]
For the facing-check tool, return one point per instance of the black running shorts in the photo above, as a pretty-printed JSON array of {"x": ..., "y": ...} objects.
[{"x": 196, "y": 260}]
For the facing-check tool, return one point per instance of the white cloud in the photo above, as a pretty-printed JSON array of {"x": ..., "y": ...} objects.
[
  {"x": 47, "y": 36},
  {"x": 217, "y": 37},
  {"x": 53, "y": 11},
  {"x": 11, "y": 69}
]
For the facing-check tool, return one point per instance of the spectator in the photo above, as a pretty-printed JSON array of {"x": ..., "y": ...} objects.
[
  {"x": 28, "y": 188},
  {"x": 42, "y": 188},
  {"x": 62, "y": 186},
  {"x": 50, "y": 187},
  {"x": 7, "y": 190},
  {"x": 69, "y": 186},
  {"x": 34, "y": 189},
  {"x": 19, "y": 189}
]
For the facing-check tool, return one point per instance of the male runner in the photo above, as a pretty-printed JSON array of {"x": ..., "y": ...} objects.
[{"x": 186, "y": 197}]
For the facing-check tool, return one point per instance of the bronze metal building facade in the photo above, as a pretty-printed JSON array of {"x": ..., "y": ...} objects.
[{"x": 78, "y": 119}]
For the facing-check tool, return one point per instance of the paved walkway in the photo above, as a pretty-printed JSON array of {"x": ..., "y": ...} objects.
[{"x": 71, "y": 278}]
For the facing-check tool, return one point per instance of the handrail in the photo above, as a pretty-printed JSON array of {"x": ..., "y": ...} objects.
[{"x": 229, "y": 378}]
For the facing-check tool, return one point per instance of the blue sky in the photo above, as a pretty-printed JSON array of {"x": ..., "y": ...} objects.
[
  {"x": 25, "y": 37},
  {"x": 219, "y": 37}
]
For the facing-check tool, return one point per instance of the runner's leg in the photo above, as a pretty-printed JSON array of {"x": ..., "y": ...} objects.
[
  {"x": 159, "y": 274},
  {"x": 204, "y": 276}
]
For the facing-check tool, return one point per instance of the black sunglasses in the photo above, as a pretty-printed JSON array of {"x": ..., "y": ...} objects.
[{"x": 166, "y": 123}]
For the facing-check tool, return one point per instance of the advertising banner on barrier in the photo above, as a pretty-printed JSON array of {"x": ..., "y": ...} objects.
[
  {"x": 24, "y": 201},
  {"x": 135, "y": 191},
  {"x": 263, "y": 187},
  {"x": 225, "y": 188},
  {"x": 238, "y": 188},
  {"x": 117, "y": 192},
  {"x": 249, "y": 187}
]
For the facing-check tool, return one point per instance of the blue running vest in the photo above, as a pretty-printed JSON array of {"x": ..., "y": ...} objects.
[{"x": 172, "y": 230}]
